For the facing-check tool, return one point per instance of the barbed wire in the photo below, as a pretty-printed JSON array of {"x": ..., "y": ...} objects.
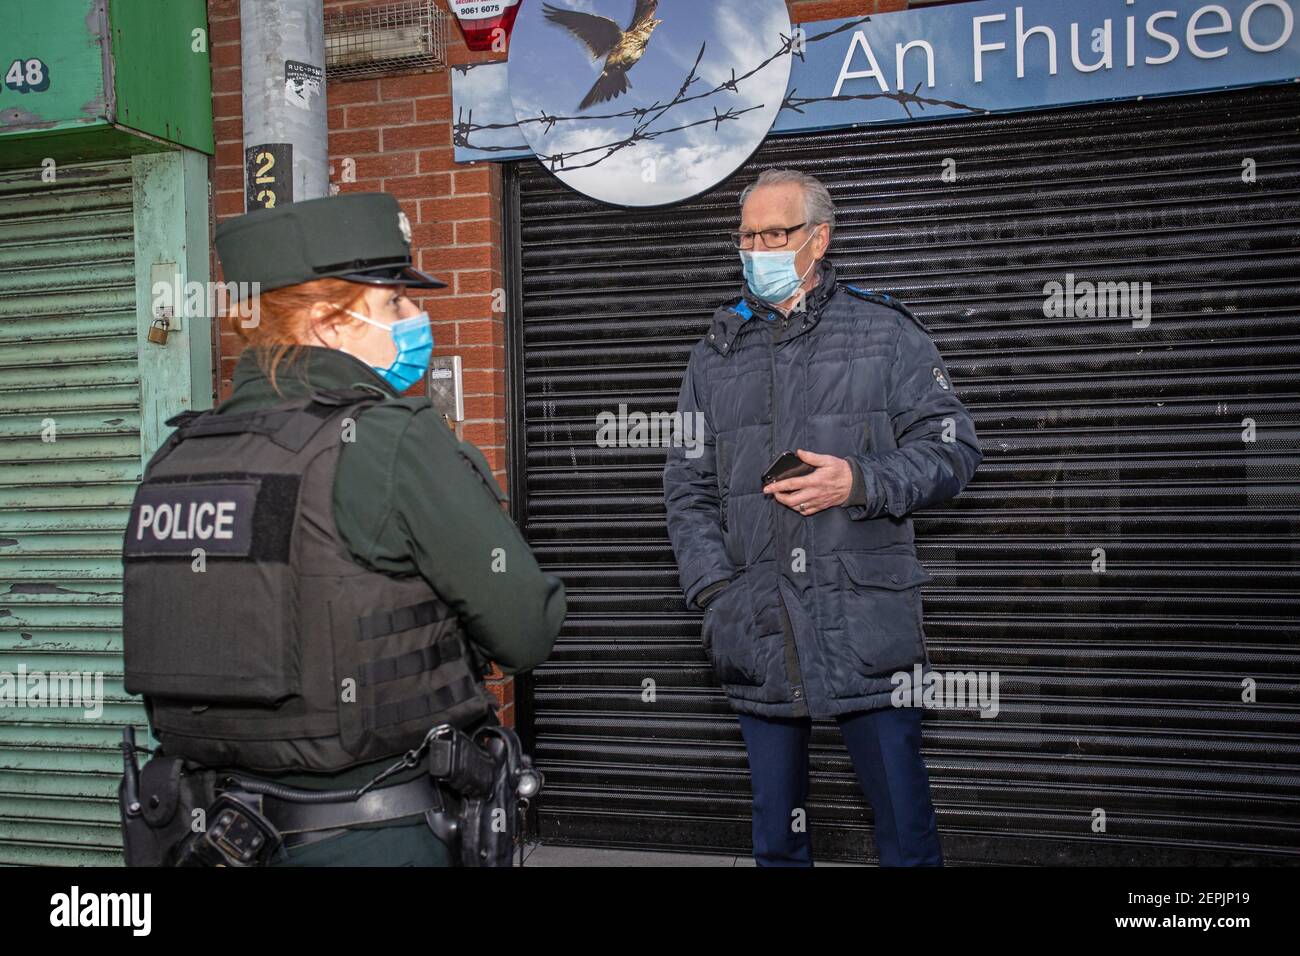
[
  {"x": 641, "y": 132},
  {"x": 464, "y": 126},
  {"x": 645, "y": 116},
  {"x": 902, "y": 97}
]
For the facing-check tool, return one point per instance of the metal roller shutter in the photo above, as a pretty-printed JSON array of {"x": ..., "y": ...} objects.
[
  {"x": 68, "y": 355},
  {"x": 1120, "y": 691}
]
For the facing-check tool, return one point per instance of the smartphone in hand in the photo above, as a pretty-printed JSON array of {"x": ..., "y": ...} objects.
[{"x": 787, "y": 465}]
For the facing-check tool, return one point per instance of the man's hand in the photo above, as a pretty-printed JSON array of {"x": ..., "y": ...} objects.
[{"x": 827, "y": 487}]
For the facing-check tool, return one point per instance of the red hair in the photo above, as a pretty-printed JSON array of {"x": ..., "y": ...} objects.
[{"x": 284, "y": 319}]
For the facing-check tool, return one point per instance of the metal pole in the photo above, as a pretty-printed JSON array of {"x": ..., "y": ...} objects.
[{"x": 286, "y": 133}]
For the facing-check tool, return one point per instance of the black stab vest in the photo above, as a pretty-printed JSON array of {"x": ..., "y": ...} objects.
[{"x": 255, "y": 637}]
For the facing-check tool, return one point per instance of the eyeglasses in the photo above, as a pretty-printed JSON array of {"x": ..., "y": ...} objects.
[{"x": 772, "y": 238}]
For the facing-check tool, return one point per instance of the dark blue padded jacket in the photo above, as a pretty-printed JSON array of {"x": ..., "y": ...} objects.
[{"x": 819, "y": 611}]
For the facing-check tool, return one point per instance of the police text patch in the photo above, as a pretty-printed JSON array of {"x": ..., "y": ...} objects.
[{"x": 174, "y": 519}]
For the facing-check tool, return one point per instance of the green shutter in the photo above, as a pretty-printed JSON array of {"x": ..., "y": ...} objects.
[{"x": 68, "y": 359}]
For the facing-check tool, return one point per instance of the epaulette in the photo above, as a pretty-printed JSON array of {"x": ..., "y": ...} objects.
[
  {"x": 886, "y": 300},
  {"x": 185, "y": 417},
  {"x": 349, "y": 394}
]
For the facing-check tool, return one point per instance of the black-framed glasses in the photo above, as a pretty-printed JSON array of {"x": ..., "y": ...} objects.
[{"x": 772, "y": 238}]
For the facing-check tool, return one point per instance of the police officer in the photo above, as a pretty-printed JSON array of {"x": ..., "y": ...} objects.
[{"x": 317, "y": 571}]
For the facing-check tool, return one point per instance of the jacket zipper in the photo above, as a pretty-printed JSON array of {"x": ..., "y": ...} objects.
[{"x": 793, "y": 671}]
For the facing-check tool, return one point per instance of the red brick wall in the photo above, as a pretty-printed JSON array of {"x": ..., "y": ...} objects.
[{"x": 398, "y": 131}]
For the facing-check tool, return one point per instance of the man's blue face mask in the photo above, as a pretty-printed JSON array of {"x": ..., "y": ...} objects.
[
  {"x": 771, "y": 275},
  {"x": 414, "y": 340}
]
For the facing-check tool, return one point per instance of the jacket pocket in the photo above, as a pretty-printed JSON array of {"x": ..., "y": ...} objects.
[
  {"x": 881, "y": 630},
  {"x": 727, "y": 633}
]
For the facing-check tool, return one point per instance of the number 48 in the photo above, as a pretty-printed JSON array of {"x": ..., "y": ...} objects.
[{"x": 27, "y": 76}]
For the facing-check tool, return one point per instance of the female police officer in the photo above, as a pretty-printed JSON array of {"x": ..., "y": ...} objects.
[{"x": 317, "y": 571}]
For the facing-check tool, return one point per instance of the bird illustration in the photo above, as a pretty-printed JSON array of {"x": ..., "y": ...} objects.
[{"x": 602, "y": 36}]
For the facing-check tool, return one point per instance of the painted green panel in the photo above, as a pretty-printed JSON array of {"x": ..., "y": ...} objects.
[
  {"x": 57, "y": 304},
  {"x": 162, "y": 71},
  {"x": 178, "y": 376},
  {"x": 48, "y": 230},
  {"x": 103, "y": 248},
  {"x": 68, "y": 497},
  {"x": 75, "y": 271},
  {"x": 18, "y": 854},
  {"x": 99, "y": 641},
  {"x": 99, "y": 778},
  {"x": 108, "y": 663},
  {"x": 67, "y": 448},
  {"x": 25, "y": 615},
  {"x": 99, "y": 744},
  {"x": 107, "y": 373},
  {"x": 65, "y": 472},
  {"x": 21, "y": 761},
  {"x": 69, "y": 319},
  {"x": 84, "y": 571},
  {"x": 101, "y": 836},
  {"x": 81, "y": 145},
  {"x": 29, "y": 327},
  {"x": 108, "y": 713},
  {"x": 93, "y": 188},
  {"x": 104, "y": 348},
  {"x": 67, "y": 37},
  {"x": 158, "y": 92},
  {"x": 101, "y": 809},
  {"x": 96, "y": 274},
  {"x": 35, "y": 544},
  {"x": 79, "y": 423}
]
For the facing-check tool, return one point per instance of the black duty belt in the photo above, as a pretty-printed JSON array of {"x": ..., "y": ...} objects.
[{"x": 302, "y": 822}]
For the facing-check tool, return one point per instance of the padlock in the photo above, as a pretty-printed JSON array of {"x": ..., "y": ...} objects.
[{"x": 158, "y": 332}]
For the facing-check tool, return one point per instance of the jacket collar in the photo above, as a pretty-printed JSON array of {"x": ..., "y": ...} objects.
[
  {"x": 311, "y": 367},
  {"x": 730, "y": 320}
]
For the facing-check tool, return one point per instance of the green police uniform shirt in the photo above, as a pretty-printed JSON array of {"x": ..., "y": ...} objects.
[{"x": 410, "y": 498}]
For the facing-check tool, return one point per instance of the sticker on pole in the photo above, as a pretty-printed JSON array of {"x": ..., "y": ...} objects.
[
  {"x": 268, "y": 175},
  {"x": 302, "y": 82}
]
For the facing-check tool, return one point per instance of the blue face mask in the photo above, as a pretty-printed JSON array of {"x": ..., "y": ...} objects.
[
  {"x": 771, "y": 275},
  {"x": 414, "y": 340}
]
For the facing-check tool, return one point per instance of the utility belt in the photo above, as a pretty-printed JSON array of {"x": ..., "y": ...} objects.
[{"x": 473, "y": 797}]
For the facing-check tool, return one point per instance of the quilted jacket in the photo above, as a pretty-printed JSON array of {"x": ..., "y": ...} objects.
[{"x": 818, "y": 611}]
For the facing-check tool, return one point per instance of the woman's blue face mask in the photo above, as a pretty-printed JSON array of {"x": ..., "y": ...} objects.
[{"x": 414, "y": 340}]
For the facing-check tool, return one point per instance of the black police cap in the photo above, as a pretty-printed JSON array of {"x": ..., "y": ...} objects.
[{"x": 361, "y": 237}]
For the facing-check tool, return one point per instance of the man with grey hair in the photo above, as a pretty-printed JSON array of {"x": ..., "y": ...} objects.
[{"x": 829, "y": 418}]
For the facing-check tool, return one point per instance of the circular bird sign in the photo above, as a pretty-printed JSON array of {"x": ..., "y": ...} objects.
[{"x": 648, "y": 102}]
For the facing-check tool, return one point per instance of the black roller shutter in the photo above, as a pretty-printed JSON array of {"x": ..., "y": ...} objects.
[{"x": 1121, "y": 691}]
